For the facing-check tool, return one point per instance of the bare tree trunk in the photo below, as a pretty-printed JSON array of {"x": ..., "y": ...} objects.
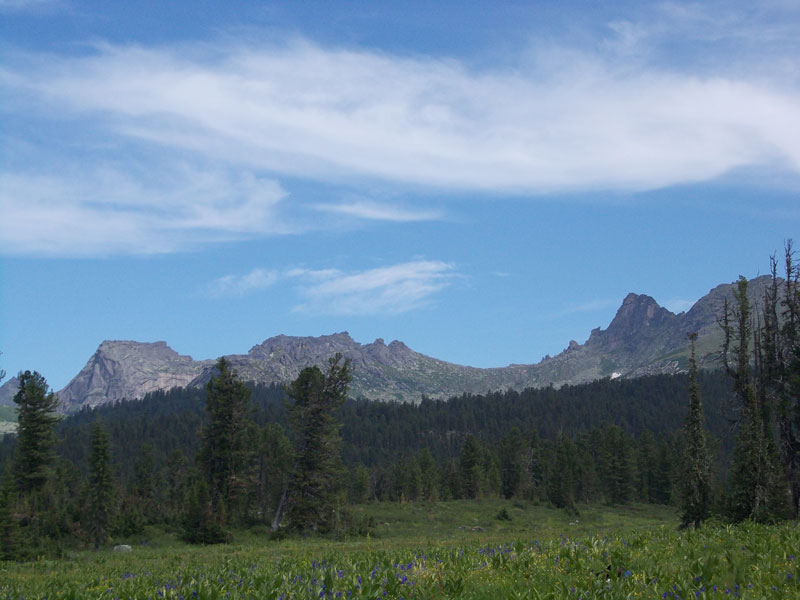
[{"x": 276, "y": 523}]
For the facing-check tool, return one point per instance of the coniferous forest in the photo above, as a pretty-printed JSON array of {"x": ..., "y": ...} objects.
[{"x": 206, "y": 461}]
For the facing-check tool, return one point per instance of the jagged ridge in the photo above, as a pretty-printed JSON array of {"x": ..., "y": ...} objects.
[{"x": 643, "y": 338}]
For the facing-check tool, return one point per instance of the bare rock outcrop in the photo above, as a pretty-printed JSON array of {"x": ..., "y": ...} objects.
[
  {"x": 125, "y": 370},
  {"x": 643, "y": 338}
]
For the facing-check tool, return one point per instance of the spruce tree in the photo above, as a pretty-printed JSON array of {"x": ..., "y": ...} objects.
[
  {"x": 619, "y": 468},
  {"x": 430, "y": 475},
  {"x": 693, "y": 486},
  {"x": 561, "y": 482},
  {"x": 314, "y": 492},
  {"x": 274, "y": 462},
  {"x": 754, "y": 488},
  {"x": 10, "y": 541},
  {"x": 224, "y": 453},
  {"x": 35, "y": 424},
  {"x": 469, "y": 467},
  {"x": 200, "y": 525},
  {"x": 359, "y": 485},
  {"x": 511, "y": 467},
  {"x": 101, "y": 508},
  {"x": 780, "y": 362},
  {"x": 646, "y": 465}
]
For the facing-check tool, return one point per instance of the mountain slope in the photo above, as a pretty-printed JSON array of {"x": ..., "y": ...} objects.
[
  {"x": 126, "y": 370},
  {"x": 643, "y": 338}
]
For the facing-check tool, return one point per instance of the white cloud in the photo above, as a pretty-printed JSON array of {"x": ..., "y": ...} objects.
[
  {"x": 623, "y": 116},
  {"x": 313, "y": 274},
  {"x": 28, "y": 5},
  {"x": 374, "y": 211},
  {"x": 239, "y": 285},
  {"x": 384, "y": 290},
  {"x": 562, "y": 121},
  {"x": 107, "y": 211}
]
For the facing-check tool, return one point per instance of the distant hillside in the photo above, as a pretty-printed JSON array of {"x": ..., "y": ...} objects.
[{"x": 643, "y": 338}]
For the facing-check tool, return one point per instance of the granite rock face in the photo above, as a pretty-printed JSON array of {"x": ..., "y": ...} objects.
[
  {"x": 643, "y": 338},
  {"x": 124, "y": 370},
  {"x": 7, "y": 392}
]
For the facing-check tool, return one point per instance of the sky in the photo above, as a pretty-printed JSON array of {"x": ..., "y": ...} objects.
[{"x": 484, "y": 181}]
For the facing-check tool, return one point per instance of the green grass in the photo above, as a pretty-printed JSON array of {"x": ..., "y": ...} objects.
[
  {"x": 463, "y": 521},
  {"x": 448, "y": 550}
]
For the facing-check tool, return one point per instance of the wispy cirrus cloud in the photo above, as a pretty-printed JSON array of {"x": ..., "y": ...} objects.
[
  {"x": 561, "y": 120},
  {"x": 109, "y": 211},
  {"x": 629, "y": 114},
  {"x": 390, "y": 290},
  {"x": 374, "y": 211},
  {"x": 29, "y": 5},
  {"x": 385, "y": 290},
  {"x": 239, "y": 285}
]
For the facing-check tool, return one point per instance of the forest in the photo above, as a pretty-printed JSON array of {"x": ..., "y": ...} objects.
[{"x": 297, "y": 458}]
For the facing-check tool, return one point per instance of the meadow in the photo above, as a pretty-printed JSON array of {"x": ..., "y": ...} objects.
[{"x": 462, "y": 549}]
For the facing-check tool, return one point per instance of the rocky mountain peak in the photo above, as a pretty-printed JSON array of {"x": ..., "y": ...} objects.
[
  {"x": 8, "y": 390},
  {"x": 638, "y": 322},
  {"x": 122, "y": 349},
  {"x": 643, "y": 338},
  {"x": 122, "y": 370},
  {"x": 299, "y": 347},
  {"x": 639, "y": 310}
]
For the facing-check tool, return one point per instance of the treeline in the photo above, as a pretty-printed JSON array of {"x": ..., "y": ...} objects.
[
  {"x": 608, "y": 441},
  {"x": 202, "y": 460},
  {"x": 376, "y": 434}
]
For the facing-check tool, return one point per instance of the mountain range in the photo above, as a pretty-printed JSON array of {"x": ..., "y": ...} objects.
[{"x": 643, "y": 338}]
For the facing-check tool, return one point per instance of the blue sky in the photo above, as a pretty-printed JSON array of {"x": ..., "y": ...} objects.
[{"x": 484, "y": 181}]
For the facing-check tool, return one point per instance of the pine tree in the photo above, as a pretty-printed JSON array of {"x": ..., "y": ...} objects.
[
  {"x": 511, "y": 467},
  {"x": 413, "y": 479},
  {"x": 359, "y": 485},
  {"x": 200, "y": 524},
  {"x": 224, "y": 453},
  {"x": 10, "y": 541},
  {"x": 646, "y": 465},
  {"x": 469, "y": 467},
  {"x": 754, "y": 482},
  {"x": 145, "y": 483},
  {"x": 101, "y": 487},
  {"x": 693, "y": 484},
  {"x": 664, "y": 472},
  {"x": 274, "y": 463},
  {"x": 35, "y": 424},
  {"x": 429, "y": 475},
  {"x": 314, "y": 494},
  {"x": 781, "y": 365},
  {"x": 561, "y": 480},
  {"x": 618, "y": 472}
]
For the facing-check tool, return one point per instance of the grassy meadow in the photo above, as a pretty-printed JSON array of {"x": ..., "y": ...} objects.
[{"x": 461, "y": 549}]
